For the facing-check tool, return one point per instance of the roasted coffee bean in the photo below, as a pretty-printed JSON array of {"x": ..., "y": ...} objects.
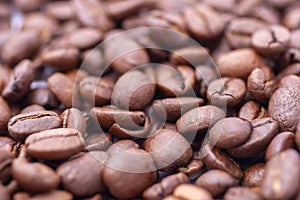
[
  {"x": 6, "y": 158},
  {"x": 108, "y": 116},
  {"x": 271, "y": 40},
  {"x": 32, "y": 108},
  {"x": 280, "y": 142},
  {"x": 23, "y": 45},
  {"x": 284, "y": 108},
  {"x": 4, "y": 140},
  {"x": 203, "y": 22},
  {"x": 63, "y": 88},
  {"x": 239, "y": 63},
  {"x": 261, "y": 83},
  {"x": 7, "y": 190},
  {"x": 226, "y": 91},
  {"x": 19, "y": 81},
  {"x": 133, "y": 165},
  {"x": 43, "y": 97},
  {"x": 216, "y": 159},
  {"x": 173, "y": 108},
  {"x": 291, "y": 18},
  {"x": 96, "y": 90},
  {"x": 133, "y": 95},
  {"x": 266, "y": 13},
  {"x": 5, "y": 114},
  {"x": 199, "y": 119},
  {"x": 253, "y": 175},
  {"x": 84, "y": 38},
  {"x": 23, "y": 125},
  {"x": 216, "y": 182},
  {"x": 28, "y": 6},
  {"x": 165, "y": 187},
  {"x": 194, "y": 167},
  {"x": 290, "y": 81},
  {"x": 279, "y": 185},
  {"x": 189, "y": 56},
  {"x": 293, "y": 69},
  {"x": 77, "y": 75},
  {"x": 54, "y": 144},
  {"x": 87, "y": 174},
  {"x": 161, "y": 145},
  {"x": 120, "y": 146},
  {"x": 92, "y": 13},
  {"x": 238, "y": 32},
  {"x": 264, "y": 129},
  {"x": 55, "y": 194},
  {"x": 191, "y": 192},
  {"x": 63, "y": 59},
  {"x": 252, "y": 110},
  {"x": 73, "y": 118},
  {"x": 98, "y": 142},
  {"x": 61, "y": 10},
  {"x": 230, "y": 132},
  {"x": 238, "y": 193},
  {"x": 93, "y": 62}
]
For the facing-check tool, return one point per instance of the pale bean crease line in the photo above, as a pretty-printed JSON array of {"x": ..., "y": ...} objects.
[
  {"x": 32, "y": 117},
  {"x": 51, "y": 136}
]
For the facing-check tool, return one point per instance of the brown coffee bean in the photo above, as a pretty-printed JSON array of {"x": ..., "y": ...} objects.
[
  {"x": 54, "y": 144},
  {"x": 34, "y": 177},
  {"x": 191, "y": 192},
  {"x": 73, "y": 118},
  {"x": 189, "y": 56},
  {"x": 230, "y": 132},
  {"x": 23, "y": 45},
  {"x": 6, "y": 158},
  {"x": 291, "y": 17},
  {"x": 280, "y": 142},
  {"x": 272, "y": 40},
  {"x": 239, "y": 193},
  {"x": 199, "y": 119},
  {"x": 93, "y": 62},
  {"x": 5, "y": 114},
  {"x": 238, "y": 32},
  {"x": 165, "y": 187},
  {"x": 203, "y": 22},
  {"x": 292, "y": 81},
  {"x": 135, "y": 166},
  {"x": 264, "y": 129},
  {"x": 77, "y": 75},
  {"x": 216, "y": 182},
  {"x": 266, "y": 13},
  {"x": 98, "y": 142},
  {"x": 86, "y": 170},
  {"x": 239, "y": 63},
  {"x": 63, "y": 59},
  {"x": 32, "y": 108},
  {"x": 28, "y": 6},
  {"x": 161, "y": 145},
  {"x": 293, "y": 69},
  {"x": 194, "y": 168},
  {"x": 96, "y": 90},
  {"x": 215, "y": 159},
  {"x": 43, "y": 97},
  {"x": 55, "y": 194},
  {"x": 19, "y": 81},
  {"x": 4, "y": 140},
  {"x": 8, "y": 190},
  {"x": 252, "y": 110},
  {"x": 108, "y": 116},
  {"x": 226, "y": 91},
  {"x": 253, "y": 175},
  {"x": 121, "y": 146},
  {"x": 84, "y": 38},
  {"x": 133, "y": 95},
  {"x": 61, "y": 10},
  {"x": 23, "y": 125},
  {"x": 63, "y": 88},
  {"x": 284, "y": 107},
  {"x": 173, "y": 108},
  {"x": 92, "y": 13},
  {"x": 276, "y": 183}
]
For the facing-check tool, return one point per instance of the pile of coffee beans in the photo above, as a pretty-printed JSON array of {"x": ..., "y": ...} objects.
[{"x": 150, "y": 99}]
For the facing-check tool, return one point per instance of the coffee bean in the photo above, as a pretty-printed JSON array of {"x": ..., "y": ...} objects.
[
  {"x": 4, "y": 140},
  {"x": 6, "y": 158},
  {"x": 191, "y": 192},
  {"x": 189, "y": 56},
  {"x": 237, "y": 193},
  {"x": 7, "y": 190},
  {"x": 5, "y": 114},
  {"x": 55, "y": 144},
  {"x": 203, "y": 22},
  {"x": 87, "y": 174},
  {"x": 226, "y": 91},
  {"x": 266, "y": 13},
  {"x": 43, "y": 97},
  {"x": 230, "y": 132},
  {"x": 263, "y": 131},
  {"x": 91, "y": 38},
  {"x": 165, "y": 187},
  {"x": 279, "y": 185},
  {"x": 77, "y": 75},
  {"x": 141, "y": 175},
  {"x": 19, "y": 81},
  {"x": 216, "y": 182},
  {"x": 284, "y": 108},
  {"x": 93, "y": 62},
  {"x": 133, "y": 95},
  {"x": 199, "y": 119},
  {"x": 291, "y": 18},
  {"x": 253, "y": 175},
  {"x": 26, "y": 6},
  {"x": 238, "y": 32},
  {"x": 216, "y": 159},
  {"x": 55, "y": 194},
  {"x": 61, "y": 10},
  {"x": 73, "y": 118},
  {"x": 272, "y": 40},
  {"x": 280, "y": 142},
  {"x": 194, "y": 167},
  {"x": 121, "y": 146},
  {"x": 252, "y": 110},
  {"x": 32, "y": 108},
  {"x": 23, "y": 125},
  {"x": 292, "y": 81},
  {"x": 98, "y": 142},
  {"x": 161, "y": 145}
]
